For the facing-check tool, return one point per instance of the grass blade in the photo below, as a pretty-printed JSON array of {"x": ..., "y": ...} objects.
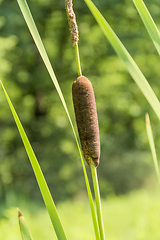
[
  {"x": 25, "y": 233},
  {"x": 121, "y": 51},
  {"x": 152, "y": 146},
  {"x": 37, "y": 39},
  {"x": 39, "y": 175},
  {"x": 149, "y": 23},
  {"x": 34, "y": 32}
]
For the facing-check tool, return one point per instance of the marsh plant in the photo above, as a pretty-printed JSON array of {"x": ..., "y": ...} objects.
[{"x": 85, "y": 110}]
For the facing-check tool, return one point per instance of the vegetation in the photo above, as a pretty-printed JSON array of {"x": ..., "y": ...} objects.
[
  {"x": 134, "y": 216},
  {"x": 147, "y": 92}
]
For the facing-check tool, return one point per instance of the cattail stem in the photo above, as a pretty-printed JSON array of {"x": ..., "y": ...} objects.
[
  {"x": 74, "y": 32},
  {"x": 98, "y": 201},
  {"x": 78, "y": 60}
]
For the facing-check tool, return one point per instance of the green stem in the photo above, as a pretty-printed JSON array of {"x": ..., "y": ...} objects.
[
  {"x": 98, "y": 201},
  {"x": 78, "y": 60},
  {"x": 93, "y": 212}
]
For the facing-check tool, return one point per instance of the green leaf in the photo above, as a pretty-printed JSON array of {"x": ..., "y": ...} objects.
[
  {"x": 25, "y": 233},
  {"x": 152, "y": 147},
  {"x": 149, "y": 23},
  {"x": 39, "y": 175},
  {"x": 34, "y": 32},
  {"x": 121, "y": 51}
]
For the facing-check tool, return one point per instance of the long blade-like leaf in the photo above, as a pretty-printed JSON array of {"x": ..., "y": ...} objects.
[
  {"x": 127, "y": 59},
  {"x": 152, "y": 147},
  {"x": 149, "y": 23},
  {"x": 39, "y": 175},
  {"x": 34, "y": 32},
  {"x": 25, "y": 233}
]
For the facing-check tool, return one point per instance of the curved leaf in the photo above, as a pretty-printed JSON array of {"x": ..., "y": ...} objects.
[
  {"x": 39, "y": 175},
  {"x": 121, "y": 51},
  {"x": 149, "y": 23}
]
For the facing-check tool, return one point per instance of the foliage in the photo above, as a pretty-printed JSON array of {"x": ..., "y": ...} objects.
[
  {"x": 121, "y": 107},
  {"x": 134, "y": 216}
]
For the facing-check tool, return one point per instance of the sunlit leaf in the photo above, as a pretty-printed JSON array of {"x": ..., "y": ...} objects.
[
  {"x": 121, "y": 51},
  {"x": 39, "y": 175},
  {"x": 149, "y": 23}
]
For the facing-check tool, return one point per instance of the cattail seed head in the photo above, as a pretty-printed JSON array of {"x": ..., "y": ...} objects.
[
  {"x": 72, "y": 22},
  {"x": 86, "y": 118}
]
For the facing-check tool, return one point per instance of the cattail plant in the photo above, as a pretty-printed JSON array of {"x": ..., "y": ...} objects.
[
  {"x": 84, "y": 101},
  {"x": 86, "y": 118}
]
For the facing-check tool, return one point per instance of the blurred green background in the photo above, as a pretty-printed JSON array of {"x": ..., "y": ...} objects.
[
  {"x": 134, "y": 216},
  {"x": 126, "y": 162}
]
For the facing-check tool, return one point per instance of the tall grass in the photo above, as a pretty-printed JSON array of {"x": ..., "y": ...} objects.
[{"x": 132, "y": 216}]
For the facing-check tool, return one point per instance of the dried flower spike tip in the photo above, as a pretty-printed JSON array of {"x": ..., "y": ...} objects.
[
  {"x": 86, "y": 118},
  {"x": 72, "y": 22}
]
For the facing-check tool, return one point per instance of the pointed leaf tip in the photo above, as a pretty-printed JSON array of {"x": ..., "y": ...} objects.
[
  {"x": 19, "y": 213},
  {"x": 24, "y": 230},
  {"x": 147, "y": 119}
]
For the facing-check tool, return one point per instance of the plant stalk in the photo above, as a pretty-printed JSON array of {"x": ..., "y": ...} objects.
[
  {"x": 98, "y": 201},
  {"x": 78, "y": 60}
]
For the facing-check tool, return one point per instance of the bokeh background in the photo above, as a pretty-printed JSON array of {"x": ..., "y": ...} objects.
[{"x": 126, "y": 162}]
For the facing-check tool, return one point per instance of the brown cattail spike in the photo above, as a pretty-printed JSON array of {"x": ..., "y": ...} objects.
[
  {"x": 72, "y": 22},
  {"x": 86, "y": 118}
]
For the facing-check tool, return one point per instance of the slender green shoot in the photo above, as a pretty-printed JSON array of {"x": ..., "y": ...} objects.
[
  {"x": 149, "y": 23},
  {"x": 78, "y": 60},
  {"x": 152, "y": 147},
  {"x": 39, "y": 175},
  {"x": 25, "y": 233},
  {"x": 94, "y": 218},
  {"x": 121, "y": 51},
  {"x": 98, "y": 201}
]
